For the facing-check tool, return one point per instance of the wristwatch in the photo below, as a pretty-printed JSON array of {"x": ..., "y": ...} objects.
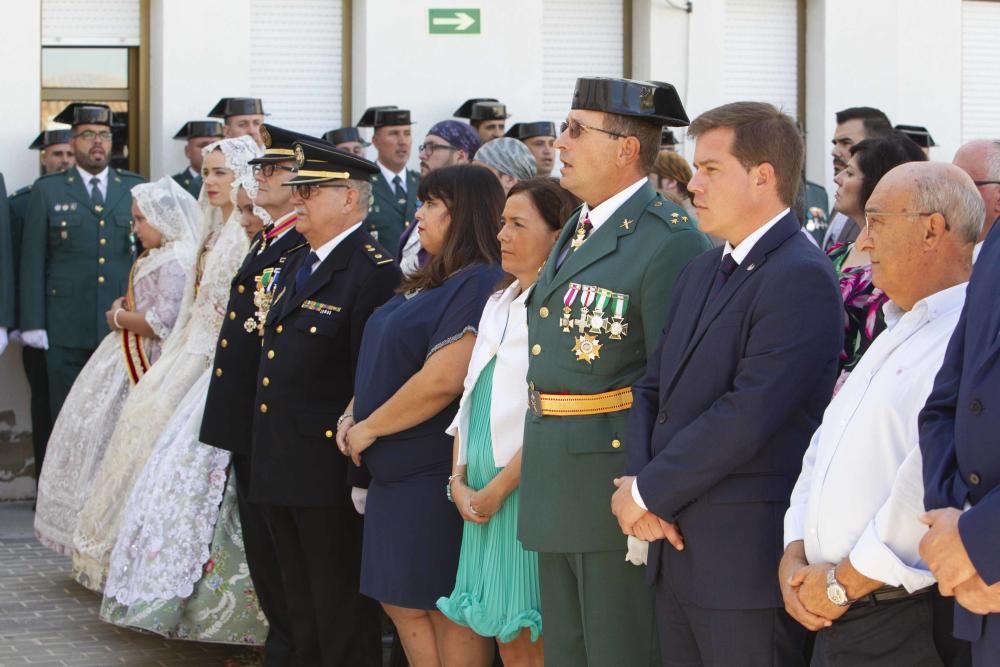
[{"x": 834, "y": 590}]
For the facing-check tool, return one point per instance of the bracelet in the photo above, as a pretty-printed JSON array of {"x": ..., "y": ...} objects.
[
  {"x": 447, "y": 488},
  {"x": 344, "y": 417},
  {"x": 114, "y": 317}
]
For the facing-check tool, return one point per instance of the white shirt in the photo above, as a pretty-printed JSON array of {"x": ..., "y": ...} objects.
[
  {"x": 861, "y": 489},
  {"x": 739, "y": 254},
  {"x": 389, "y": 174},
  {"x": 600, "y": 213},
  {"x": 102, "y": 181},
  {"x": 324, "y": 250},
  {"x": 192, "y": 172},
  {"x": 975, "y": 251},
  {"x": 503, "y": 333}
]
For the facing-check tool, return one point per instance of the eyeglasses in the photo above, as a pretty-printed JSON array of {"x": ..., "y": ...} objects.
[
  {"x": 267, "y": 170},
  {"x": 875, "y": 216},
  {"x": 980, "y": 184},
  {"x": 305, "y": 190},
  {"x": 89, "y": 135},
  {"x": 430, "y": 148},
  {"x": 575, "y": 127}
]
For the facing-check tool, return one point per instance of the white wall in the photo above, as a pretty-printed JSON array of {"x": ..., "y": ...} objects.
[
  {"x": 199, "y": 52},
  {"x": 20, "y": 51}
]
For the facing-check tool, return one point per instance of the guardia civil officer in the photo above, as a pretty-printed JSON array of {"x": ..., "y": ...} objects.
[
  {"x": 312, "y": 334},
  {"x": 196, "y": 134},
  {"x": 394, "y": 187},
  {"x": 595, "y": 314},
  {"x": 229, "y": 406},
  {"x": 240, "y": 116},
  {"x": 487, "y": 115},
  {"x": 76, "y": 250},
  {"x": 347, "y": 139},
  {"x": 539, "y": 137}
]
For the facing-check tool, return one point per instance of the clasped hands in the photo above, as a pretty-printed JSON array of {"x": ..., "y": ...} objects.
[
  {"x": 638, "y": 522},
  {"x": 946, "y": 557},
  {"x": 354, "y": 438}
]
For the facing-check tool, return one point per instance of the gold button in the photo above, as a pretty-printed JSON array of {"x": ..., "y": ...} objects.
[
  {"x": 100, "y": 260},
  {"x": 266, "y": 381},
  {"x": 218, "y": 372},
  {"x": 536, "y": 349},
  {"x": 104, "y": 242},
  {"x": 270, "y": 354},
  {"x": 328, "y": 434},
  {"x": 543, "y": 311},
  {"x": 101, "y": 223},
  {"x": 232, "y": 314},
  {"x": 312, "y": 329},
  {"x": 62, "y": 223},
  {"x": 263, "y": 407},
  {"x": 223, "y": 343},
  {"x": 241, "y": 289},
  {"x": 279, "y": 328},
  {"x": 100, "y": 279},
  {"x": 616, "y": 444}
]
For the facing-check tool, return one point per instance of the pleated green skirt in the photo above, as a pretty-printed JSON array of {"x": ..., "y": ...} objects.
[{"x": 496, "y": 588}]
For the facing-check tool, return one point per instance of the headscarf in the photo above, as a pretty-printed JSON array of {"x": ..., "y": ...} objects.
[
  {"x": 169, "y": 209},
  {"x": 458, "y": 134},
  {"x": 509, "y": 156}
]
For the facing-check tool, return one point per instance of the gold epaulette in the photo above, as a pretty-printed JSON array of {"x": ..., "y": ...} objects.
[{"x": 377, "y": 255}]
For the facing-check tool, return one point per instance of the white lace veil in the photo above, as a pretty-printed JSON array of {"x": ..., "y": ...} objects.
[
  {"x": 237, "y": 152},
  {"x": 169, "y": 209}
]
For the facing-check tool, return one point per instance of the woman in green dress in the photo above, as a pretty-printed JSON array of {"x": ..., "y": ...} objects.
[{"x": 496, "y": 588}]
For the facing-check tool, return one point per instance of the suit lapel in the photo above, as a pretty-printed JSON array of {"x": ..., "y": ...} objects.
[
  {"x": 115, "y": 190},
  {"x": 77, "y": 189},
  {"x": 270, "y": 256},
  {"x": 336, "y": 261}
]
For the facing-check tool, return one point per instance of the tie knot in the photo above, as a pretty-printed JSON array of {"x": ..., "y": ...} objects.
[
  {"x": 94, "y": 180},
  {"x": 397, "y": 180},
  {"x": 728, "y": 265},
  {"x": 312, "y": 259},
  {"x": 586, "y": 222}
]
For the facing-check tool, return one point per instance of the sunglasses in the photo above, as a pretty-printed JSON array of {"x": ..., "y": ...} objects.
[{"x": 575, "y": 127}]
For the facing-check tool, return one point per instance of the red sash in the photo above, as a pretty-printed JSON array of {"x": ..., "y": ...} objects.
[{"x": 136, "y": 363}]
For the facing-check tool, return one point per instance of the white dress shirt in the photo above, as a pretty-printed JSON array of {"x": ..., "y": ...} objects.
[
  {"x": 861, "y": 489},
  {"x": 102, "y": 181},
  {"x": 192, "y": 172},
  {"x": 975, "y": 251},
  {"x": 739, "y": 254},
  {"x": 600, "y": 213},
  {"x": 503, "y": 333},
  {"x": 389, "y": 174},
  {"x": 324, "y": 250}
]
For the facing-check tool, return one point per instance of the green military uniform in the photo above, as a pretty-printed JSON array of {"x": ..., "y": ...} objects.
[
  {"x": 75, "y": 261},
  {"x": 592, "y": 322},
  {"x": 189, "y": 182},
  {"x": 194, "y": 129},
  {"x": 391, "y": 213},
  {"x": 817, "y": 210}
]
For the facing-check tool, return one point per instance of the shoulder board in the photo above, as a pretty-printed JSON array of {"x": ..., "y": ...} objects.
[
  {"x": 669, "y": 212},
  {"x": 23, "y": 191},
  {"x": 130, "y": 174},
  {"x": 55, "y": 174},
  {"x": 378, "y": 256}
]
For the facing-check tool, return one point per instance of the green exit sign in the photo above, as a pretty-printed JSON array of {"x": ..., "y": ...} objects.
[{"x": 454, "y": 21}]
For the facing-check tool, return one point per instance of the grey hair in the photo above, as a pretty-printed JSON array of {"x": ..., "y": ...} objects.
[
  {"x": 992, "y": 165},
  {"x": 364, "y": 189},
  {"x": 957, "y": 199}
]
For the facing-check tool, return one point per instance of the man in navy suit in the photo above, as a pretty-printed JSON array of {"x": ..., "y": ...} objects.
[
  {"x": 961, "y": 455},
  {"x": 730, "y": 398}
]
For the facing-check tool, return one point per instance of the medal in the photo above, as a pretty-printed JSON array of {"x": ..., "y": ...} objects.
[
  {"x": 587, "y": 294},
  {"x": 566, "y": 321},
  {"x": 587, "y": 348},
  {"x": 618, "y": 327},
  {"x": 579, "y": 236},
  {"x": 263, "y": 297},
  {"x": 597, "y": 322}
]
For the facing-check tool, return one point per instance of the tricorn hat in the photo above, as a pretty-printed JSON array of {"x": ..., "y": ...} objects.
[
  {"x": 343, "y": 135},
  {"x": 50, "y": 138},
  {"x": 237, "y": 106},
  {"x": 85, "y": 113},
  {"x": 200, "y": 128},
  {"x": 654, "y": 100},
  {"x": 918, "y": 134},
  {"x": 541, "y": 128}
]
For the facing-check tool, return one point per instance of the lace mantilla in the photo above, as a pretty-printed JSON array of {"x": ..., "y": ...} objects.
[{"x": 170, "y": 209}]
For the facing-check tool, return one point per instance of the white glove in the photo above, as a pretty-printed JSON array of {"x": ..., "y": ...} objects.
[
  {"x": 358, "y": 497},
  {"x": 3, "y": 339},
  {"x": 638, "y": 551},
  {"x": 15, "y": 337},
  {"x": 36, "y": 338}
]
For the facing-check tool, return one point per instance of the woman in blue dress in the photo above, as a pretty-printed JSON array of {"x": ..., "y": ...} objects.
[{"x": 414, "y": 356}]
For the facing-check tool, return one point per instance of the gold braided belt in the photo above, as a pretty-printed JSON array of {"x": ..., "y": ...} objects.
[{"x": 568, "y": 405}]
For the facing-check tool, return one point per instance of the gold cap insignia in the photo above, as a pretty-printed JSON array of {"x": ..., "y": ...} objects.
[
  {"x": 300, "y": 155},
  {"x": 646, "y": 98},
  {"x": 265, "y": 136}
]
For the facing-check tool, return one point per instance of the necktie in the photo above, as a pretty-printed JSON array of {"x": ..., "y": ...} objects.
[
  {"x": 726, "y": 269},
  {"x": 397, "y": 183},
  {"x": 95, "y": 192},
  {"x": 302, "y": 275}
]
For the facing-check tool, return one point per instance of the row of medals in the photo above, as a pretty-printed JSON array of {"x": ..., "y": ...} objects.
[
  {"x": 593, "y": 322},
  {"x": 263, "y": 297}
]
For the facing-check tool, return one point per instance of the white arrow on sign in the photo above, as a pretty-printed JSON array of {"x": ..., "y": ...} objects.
[{"x": 462, "y": 21}]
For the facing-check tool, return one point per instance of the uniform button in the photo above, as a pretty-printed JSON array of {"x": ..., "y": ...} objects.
[
  {"x": 536, "y": 349},
  {"x": 100, "y": 279},
  {"x": 543, "y": 312},
  {"x": 263, "y": 407},
  {"x": 312, "y": 329},
  {"x": 104, "y": 242},
  {"x": 270, "y": 354},
  {"x": 328, "y": 434},
  {"x": 616, "y": 444},
  {"x": 218, "y": 372},
  {"x": 223, "y": 343},
  {"x": 976, "y": 406},
  {"x": 232, "y": 314},
  {"x": 241, "y": 289},
  {"x": 974, "y": 479},
  {"x": 279, "y": 328},
  {"x": 100, "y": 260},
  {"x": 101, "y": 223},
  {"x": 266, "y": 381},
  {"x": 662, "y": 417},
  {"x": 62, "y": 223}
]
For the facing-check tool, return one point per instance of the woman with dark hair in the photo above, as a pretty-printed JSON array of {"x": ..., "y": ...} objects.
[
  {"x": 414, "y": 354},
  {"x": 870, "y": 160},
  {"x": 496, "y": 591}
]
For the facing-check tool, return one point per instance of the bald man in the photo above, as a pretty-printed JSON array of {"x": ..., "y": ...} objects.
[{"x": 980, "y": 159}]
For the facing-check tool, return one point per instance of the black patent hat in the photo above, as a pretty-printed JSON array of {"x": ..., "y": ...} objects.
[
  {"x": 279, "y": 143},
  {"x": 82, "y": 113},
  {"x": 654, "y": 100},
  {"x": 343, "y": 135},
  {"x": 368, "y": 117},
  {"x": 319, "y": 162},
  {"x": 384, "y": 116},
  {"x": 483, "y": 111},
  {"x": 667, "y": 137},
  {"x": 50, "y": 138},
  {"x": 237, "y": 106},
  {"x": 200, "y": 128},
  {"x": 465, "y": 111},
  {"x": 918, "y": 134},
  {"x": 522, "y": 131}
]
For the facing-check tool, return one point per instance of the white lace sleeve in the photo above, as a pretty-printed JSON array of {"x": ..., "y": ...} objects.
[{"x": 158, "y": 296}]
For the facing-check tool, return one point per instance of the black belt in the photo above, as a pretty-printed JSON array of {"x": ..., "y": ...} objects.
[{"x": 888, "y": 594}]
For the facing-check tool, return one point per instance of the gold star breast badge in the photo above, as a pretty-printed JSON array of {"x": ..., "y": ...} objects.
[{"x": 587, "y": 348}]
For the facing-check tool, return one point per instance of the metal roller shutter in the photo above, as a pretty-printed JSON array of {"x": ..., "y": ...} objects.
[
  {"x": 580, "y": 38},
  {"x": 761, "y": 61},
  {"x": 980, "y": 70},
  {"x": 296, "y": 62},
  {"x": 90, "y": 22}
]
